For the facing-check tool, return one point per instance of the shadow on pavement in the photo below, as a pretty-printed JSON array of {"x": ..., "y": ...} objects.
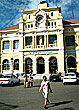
[
  {"x": 4, "y": 106},
  {"x": 60, "y": 103}
]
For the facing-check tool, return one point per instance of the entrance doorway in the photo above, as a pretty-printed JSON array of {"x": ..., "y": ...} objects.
[
  {"x": 28, "y": 65},
  {"x": 52, "y": 65},
  {"x": 71, "y": 64},
  {"x": 40, "y": 65}
]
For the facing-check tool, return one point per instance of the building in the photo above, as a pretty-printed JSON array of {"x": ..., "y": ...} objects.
[{"x": 41, "y": 43}]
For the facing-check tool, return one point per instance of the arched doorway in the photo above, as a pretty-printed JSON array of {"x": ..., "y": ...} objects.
[
  {"x": 28, "y": 65},
  {"x": 71, "y": 64},
  {"x": 40, "y": 65},
  {"x": 52, "y": 65}
]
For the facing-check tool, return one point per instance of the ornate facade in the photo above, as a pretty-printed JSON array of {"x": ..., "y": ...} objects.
[{"x": 42, "y": 43}]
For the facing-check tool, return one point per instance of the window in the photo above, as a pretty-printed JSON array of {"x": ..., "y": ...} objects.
[
  {"x": 6, "y": 65},
  {"x": 52, "y": 24},
  {"x": 28, "y": 40},
  {"x": 28, "y": 65},
  {"x": 48, "y": 23},
  {"x": 42, "y": 40},
  {"x": 16, "y": 44},
  {"x": 6, "y": 45},
  {"x": 16, "y": 64},
  {"x": 52, "y": 39},
  {"x": 70, "y": 41},
  {"x": 53, "y": 65},
  {"x": 28, "y": 26},
  {"x": 31, "y": 25},
  {"x": 39, "y": 19},
  {"x": 25, "y": 26},
  {"x": 38, "y": 40},
  {"x": 29, "y": 16},
  {"x": 55, "y": 23},
  {"x": 51, "y": 14}
]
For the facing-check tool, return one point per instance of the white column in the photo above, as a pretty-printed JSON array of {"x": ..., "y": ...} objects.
[
  {"x": 34, "y": 66},
  {"x": 44, "y": 40},
  {"x": 32, "y": 41},
  {"x": 1, "y": 46},
  {"x": 35, "y": 40},
  {"x": 12, "y": 45},
  {"x": 77, "y": 39},
  {"x": 1, "y": 66},
  {"x": 46, "y": 66},
  {"x": 47, "y": 40}
]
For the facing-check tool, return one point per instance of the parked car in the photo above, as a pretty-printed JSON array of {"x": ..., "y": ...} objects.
[
  {"x": 1, "y": 75},
  {"x": 21, "y": 77},
  {"x": 77, "y": 75},
  {"x": 9, "y": 79},
  {"x": 62, "y": 76},
  {"x": 70, "y": 78},
  {"x": 54, "y": 77}
]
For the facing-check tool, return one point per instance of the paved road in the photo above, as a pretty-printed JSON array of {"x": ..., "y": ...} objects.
[{"x": 65, "y": 97}]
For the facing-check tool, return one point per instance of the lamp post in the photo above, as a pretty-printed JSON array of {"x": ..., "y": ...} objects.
[
  {"x": 66, "y": 64},
  {"x": 12, "y": 66}
]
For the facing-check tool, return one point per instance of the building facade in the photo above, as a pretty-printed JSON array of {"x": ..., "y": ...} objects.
[{"x": 42, "y": 43}]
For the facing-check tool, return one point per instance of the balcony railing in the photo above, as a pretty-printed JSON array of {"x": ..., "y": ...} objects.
[
  {"x": 52, "y": 45},
  {"x": 41, "y": 46},
  {"x": 29, "y": 47}
]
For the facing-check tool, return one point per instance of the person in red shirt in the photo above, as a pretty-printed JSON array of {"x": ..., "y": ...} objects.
[{"x": 45, "y": 87}]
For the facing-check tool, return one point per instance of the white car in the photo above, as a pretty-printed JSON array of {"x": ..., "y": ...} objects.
[
  {"x": 69, "y": 78},
  {"x": 21, "y": 77},
  {"x": 9, "y": 79}
]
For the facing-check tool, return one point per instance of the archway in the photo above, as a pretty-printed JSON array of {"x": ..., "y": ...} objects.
[
  {"x": 6, "y": 65},
  {"x": 40, "y": 65},
  {"x": 52, "y": 65},
  {"x": 28, "y": 65},
  {"x": 71, "y": 64}
]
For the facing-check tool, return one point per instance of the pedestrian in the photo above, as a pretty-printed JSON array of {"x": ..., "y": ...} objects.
[
  {"x": 30, "y": 80},
  {"x": 25, "y": 80},
  {"x": 45, "y": 87}
]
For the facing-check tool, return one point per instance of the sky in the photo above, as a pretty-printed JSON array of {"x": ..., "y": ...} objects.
[{"x": 10, "y": 10}]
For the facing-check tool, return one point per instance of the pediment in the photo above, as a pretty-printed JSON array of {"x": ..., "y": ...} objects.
[{"x": 39, "y": 11}]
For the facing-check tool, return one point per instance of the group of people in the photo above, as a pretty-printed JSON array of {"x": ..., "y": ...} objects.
[{"x": 28, "y": 80}]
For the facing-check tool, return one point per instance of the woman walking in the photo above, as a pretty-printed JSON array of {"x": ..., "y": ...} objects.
[{"x": 45, "y": 87}]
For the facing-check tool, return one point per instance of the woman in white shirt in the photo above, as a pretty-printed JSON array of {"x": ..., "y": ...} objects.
[{"x": 45, "y": 87}]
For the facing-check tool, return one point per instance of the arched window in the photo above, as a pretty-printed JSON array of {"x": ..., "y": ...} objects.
[
  {"x": 71, "y": 61},
  {"x": 16, "y": 64},
  {"x": 40, "y": 65},
  {"x": 6, "y": 65},
  {"x": 71, "y": 64},
  {"x": 28, "y": 65},
  {"x": 52, "y": 65}
]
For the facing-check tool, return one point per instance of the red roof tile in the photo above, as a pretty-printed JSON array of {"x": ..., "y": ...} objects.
[
  {"x": 71, "y": 21},
  {"x": 10, "y": 28}
]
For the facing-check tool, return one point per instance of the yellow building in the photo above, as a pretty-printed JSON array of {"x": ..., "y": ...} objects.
[{"x": 41, "y": 43}]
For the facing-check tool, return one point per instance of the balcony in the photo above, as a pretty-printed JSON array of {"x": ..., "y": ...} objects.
[
  {"x": 40, "y": 46},
  {"x": 29, "y": 47},
  {"x": 52, "y": 45}
]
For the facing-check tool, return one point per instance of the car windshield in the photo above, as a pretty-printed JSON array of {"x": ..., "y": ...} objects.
[
  {"x": 6, "y": 76},
  {"x": 70, "y": 75},
  {"x": 1, "y": 76}
]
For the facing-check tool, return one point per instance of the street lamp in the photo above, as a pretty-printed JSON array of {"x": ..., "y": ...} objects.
[
  {"x": 12, "y": 66},
  {"x": 66, "y": 63}
]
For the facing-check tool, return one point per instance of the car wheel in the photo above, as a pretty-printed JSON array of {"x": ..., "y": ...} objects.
[
  {"x": 12, "y": 83},
  {"x": 64, "y": 83},
  {"x": 18, "y": 82}
]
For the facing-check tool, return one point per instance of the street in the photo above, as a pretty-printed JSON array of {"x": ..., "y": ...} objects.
[{"x": 64, "y": 97}]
